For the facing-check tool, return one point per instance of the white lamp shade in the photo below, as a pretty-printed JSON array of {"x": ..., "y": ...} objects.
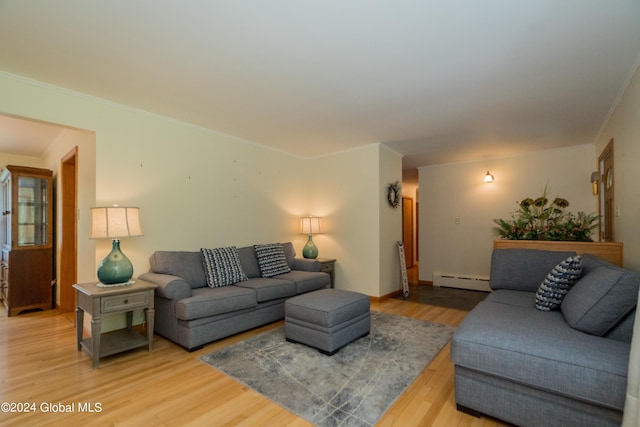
[
  {"x": 115, "y": 222},
  {"x": 310, "y": 225},
  {"x": 488, "y": 177}
]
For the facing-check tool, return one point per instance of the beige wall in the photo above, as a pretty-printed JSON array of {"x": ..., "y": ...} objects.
[
  {"x": 85, "y": 141},
  {"x": 624, "y": 128},
  {"x": 195, "y": 188},
  {"x": 348, "y": 190},
  {"x": 390, "y": 223},
  {"x": 12, "y": 159},
  {"x": 86, "y": 164},
  {"x": 457, "y": 190},
  {"x": 198, "y": 188}
]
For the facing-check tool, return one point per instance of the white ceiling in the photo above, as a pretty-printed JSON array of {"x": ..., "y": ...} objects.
[{"x": 438, "y": 81}]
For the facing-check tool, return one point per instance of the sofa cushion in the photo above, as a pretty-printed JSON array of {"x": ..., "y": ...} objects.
[
  {"x": 268, "y": 289},
  {"x": 591, "y": 262},
  {"x": 289, "y": 253},
  {"x": 555, "y": 286},
  {"x": 539, "y": 349},
  {"x": 601, "y": 299},
  {"x": 306, "y": 281},
  {"x": 222, "y": 266},
  {"x": 522, "y": 269},
  {"x": 206, "y": 302},
  {"x": 186, "y": 265},
  {"x": 511, "y": 297},
  {"x": 271, "y": 259},
  {"x": 623, "y": 331},
  {"x": 249, "y": 262}
]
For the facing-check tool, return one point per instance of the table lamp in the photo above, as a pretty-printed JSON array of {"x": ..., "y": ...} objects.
[
  {"x": 310, "y": 225},
  {"x": 115, "y": 222}
]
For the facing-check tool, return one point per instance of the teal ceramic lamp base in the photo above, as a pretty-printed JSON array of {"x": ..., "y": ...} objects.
[
  {"x": 116, "y": 267},
  {"x": 310, "y": 250}
]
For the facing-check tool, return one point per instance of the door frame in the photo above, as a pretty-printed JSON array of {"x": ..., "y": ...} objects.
[
  {"x": 607, "y": 154},
  {"x": 68, "y": 273},
  {"x": 408, "y": 230}
]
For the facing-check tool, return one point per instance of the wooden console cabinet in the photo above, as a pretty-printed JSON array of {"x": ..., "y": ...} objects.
[
  {"x": 26, "y": 236},
  {"x": 608, "y": 251}
]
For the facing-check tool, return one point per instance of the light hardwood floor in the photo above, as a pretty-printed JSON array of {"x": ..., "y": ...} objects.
[{"x": 40, "y": 367}]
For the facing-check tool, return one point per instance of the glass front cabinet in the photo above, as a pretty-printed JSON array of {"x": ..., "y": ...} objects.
[{"x": 27, "y": 237}]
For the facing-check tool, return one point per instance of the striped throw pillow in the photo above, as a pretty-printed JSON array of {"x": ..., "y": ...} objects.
[
  {"x": 557, "y": 283},
  {"x": 271, "y": 259},
  {"x": 222, "y": 266}
]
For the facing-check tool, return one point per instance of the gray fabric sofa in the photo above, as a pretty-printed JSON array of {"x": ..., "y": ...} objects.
[
  {"x": 547, "y": 368},
  {"x": 191, "y": 314}
]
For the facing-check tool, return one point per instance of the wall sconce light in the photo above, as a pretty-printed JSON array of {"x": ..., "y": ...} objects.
[
  {"x": 594, "y": 182},
  {"x": 113, "y": 223},
  {"x": 488, "y": 177},
  {"x": 310, "y": 225}
]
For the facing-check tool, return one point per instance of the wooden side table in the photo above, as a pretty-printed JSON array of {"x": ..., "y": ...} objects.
[
  {"x": 97, "y": 300},
  {"x": 328, "y": 265}
]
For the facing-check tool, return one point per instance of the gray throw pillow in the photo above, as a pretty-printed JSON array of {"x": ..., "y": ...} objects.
[
  {"x": 271, "y": 259},
  {"x": 555, "y": 286},
  {"x": 222, "y": 266},
  {"x": 601, "y": 299}
]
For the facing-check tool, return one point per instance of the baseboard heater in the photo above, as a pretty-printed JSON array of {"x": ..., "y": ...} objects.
[{"x": 462, "y": 282}]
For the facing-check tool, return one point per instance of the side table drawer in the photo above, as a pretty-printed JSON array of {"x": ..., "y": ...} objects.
[
  {"x": 124, "y": 302},
  {"x": 326, "y": 268},
  {"x": 328, "y": 265}
]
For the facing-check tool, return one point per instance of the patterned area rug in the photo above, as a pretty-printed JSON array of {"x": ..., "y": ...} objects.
[{"x": 354, "y": 387}]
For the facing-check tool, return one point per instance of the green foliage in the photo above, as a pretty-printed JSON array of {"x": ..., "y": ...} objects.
[{"x": 540, "y": 219}]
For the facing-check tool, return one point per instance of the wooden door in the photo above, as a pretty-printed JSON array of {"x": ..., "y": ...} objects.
[
  {"x": 407, "y": 230},
  {"x": 417, "y": 232},
  {"x": 607, "y": 206},
  {"x": 69, "y": 241}
]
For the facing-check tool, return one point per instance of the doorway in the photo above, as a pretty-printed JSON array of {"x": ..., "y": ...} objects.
[
  {"x": 69, "y": 231},
  {"x": 606, "y": 202}
]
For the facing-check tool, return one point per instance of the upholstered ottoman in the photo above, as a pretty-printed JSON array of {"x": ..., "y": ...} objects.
[{"x": 327, "y": 319}]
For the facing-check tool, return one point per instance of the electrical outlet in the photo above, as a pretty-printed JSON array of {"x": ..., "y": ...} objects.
[{"x": 458, "y": 220}]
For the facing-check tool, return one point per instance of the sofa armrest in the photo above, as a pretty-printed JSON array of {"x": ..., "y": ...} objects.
[
  {"x": 306, "y": 264},
  {"x": 170, "y": 287}
]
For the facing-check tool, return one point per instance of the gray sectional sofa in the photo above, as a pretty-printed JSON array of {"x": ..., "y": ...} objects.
[
  {"x": 191, "y": 313},
  {"x": 565, "y": 367}
]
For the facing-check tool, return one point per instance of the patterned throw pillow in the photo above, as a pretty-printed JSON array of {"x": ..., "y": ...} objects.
[
  {"x": 222, "y": 266},
  {"x": 271, "y": 259},
  {"x": 557, "y": 283}
]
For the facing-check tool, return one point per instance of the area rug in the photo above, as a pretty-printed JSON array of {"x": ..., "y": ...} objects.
[{"x": 354, "y": 387}]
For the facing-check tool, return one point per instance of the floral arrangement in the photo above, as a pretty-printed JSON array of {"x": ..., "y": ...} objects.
[{"x": 542, "y": 219}]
